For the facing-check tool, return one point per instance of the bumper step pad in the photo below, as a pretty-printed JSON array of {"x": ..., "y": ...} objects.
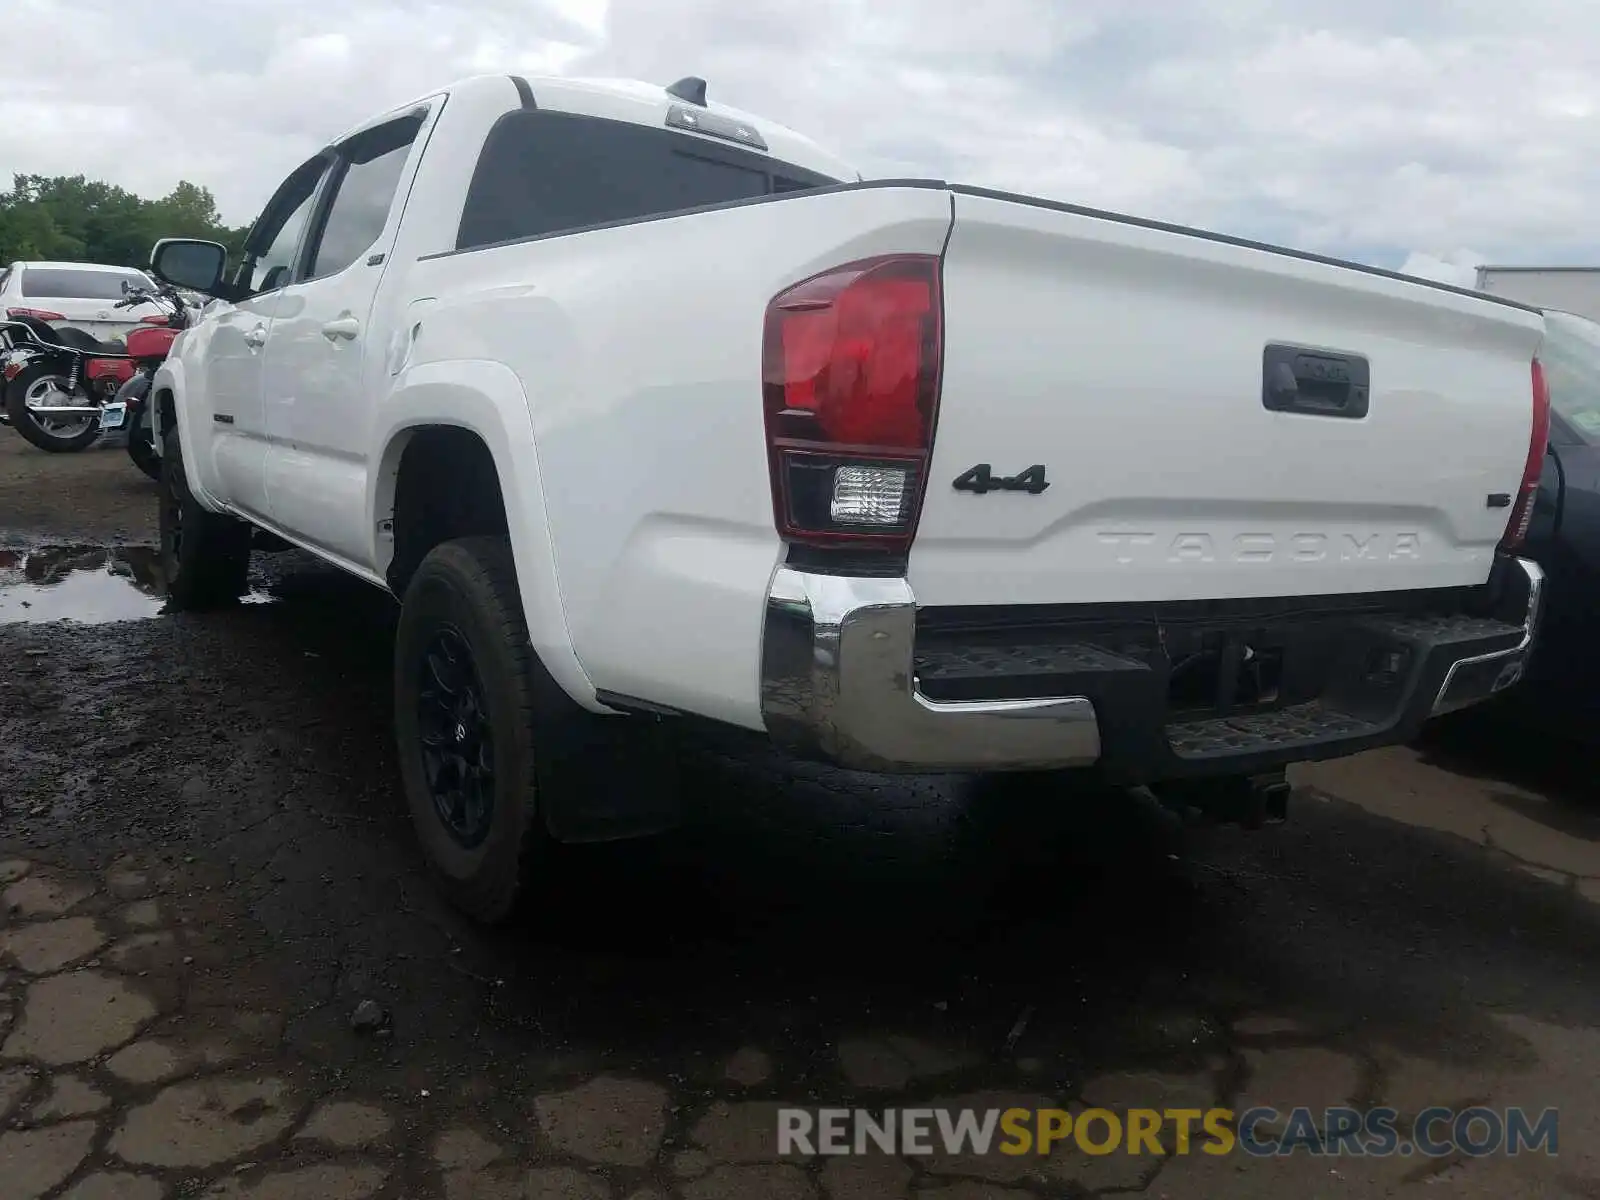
[{"x": 1281, "y": 729}]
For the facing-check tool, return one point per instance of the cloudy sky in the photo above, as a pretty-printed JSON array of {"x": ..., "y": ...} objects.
[{"x": 1439, "y": 133}]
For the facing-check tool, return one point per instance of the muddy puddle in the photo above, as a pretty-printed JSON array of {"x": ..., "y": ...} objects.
[{"x": 84, "y": 584}]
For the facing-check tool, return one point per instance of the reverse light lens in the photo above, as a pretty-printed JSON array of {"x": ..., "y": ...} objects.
[{"x": 869, "y": 496}]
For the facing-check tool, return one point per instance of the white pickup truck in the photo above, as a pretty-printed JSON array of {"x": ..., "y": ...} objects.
[{"x": 650, "y": 410}]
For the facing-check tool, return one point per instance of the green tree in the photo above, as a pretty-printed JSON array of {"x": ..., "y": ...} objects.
[{"x": 79, "y": 219}]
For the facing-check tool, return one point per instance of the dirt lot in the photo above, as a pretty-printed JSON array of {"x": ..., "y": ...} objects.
[{"x": 225, "y": 973}]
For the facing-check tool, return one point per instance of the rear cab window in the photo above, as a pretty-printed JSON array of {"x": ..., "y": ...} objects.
[
  {"x": 60, "y": 283},
  {"x": 543, "y": 173}
]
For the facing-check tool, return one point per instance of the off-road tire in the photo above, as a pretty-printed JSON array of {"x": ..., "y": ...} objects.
[
  {"x": 22, "y": 420},
  {"x": 469, "y": 587},
  {"x": 141, "y": 446},
  {"x": 205, "y": 556}
]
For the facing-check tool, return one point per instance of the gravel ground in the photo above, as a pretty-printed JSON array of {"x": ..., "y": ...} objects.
[{"x": 225, "y": 973}]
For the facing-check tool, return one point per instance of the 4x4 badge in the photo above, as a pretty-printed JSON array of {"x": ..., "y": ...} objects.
[{"x": 981, "y": 479}]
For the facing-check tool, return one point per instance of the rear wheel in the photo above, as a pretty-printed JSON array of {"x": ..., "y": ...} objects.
[
  {"x": 205, "y": 556},
  {"x": 44, "y": 385},
  {"x": 467, "y": 689}
]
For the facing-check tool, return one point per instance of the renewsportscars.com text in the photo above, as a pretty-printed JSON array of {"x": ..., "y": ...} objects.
[{"x": 1262, "y": 1132}]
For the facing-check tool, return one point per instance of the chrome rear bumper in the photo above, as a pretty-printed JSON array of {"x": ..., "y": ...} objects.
[
  {"x": 838, "y": 682},
  {"x": 1476, "y": 678}
]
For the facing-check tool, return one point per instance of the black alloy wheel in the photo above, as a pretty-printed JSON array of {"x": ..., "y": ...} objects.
[{"x": 457, "y": 738}]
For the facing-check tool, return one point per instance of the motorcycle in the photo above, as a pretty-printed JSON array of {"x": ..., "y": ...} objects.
[
  {"x": 26, "y": 339},
  {"x": 129, "y": 406},
  {"x": 58, "y": 380}
]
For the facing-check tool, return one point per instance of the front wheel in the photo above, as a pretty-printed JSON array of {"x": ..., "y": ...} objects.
[
  {"x": 142, "y": 445},
  {"x": 205, "y": 556},
  {"x": 44, "y": 385}
]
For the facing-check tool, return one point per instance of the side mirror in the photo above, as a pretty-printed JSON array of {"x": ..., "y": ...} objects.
[{"x": 190, "y": 263}]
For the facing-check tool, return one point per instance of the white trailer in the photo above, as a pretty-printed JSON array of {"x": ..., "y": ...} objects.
[{"x": 1571, "y": 289}]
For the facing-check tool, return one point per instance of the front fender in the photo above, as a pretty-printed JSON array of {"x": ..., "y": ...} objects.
[
  {"x": 487, "y": 399},
  {"x": 169, "y": 379}
]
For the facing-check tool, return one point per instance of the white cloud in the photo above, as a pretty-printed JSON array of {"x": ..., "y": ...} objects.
[
  {"x": 1459, "y": 267},
  {"x": 1361, "y": 127}
]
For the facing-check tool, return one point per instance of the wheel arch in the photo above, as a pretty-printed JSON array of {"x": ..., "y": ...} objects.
[
  {"x": 164, "y": 395},
  {"x": 168, "y": 403},
  {"x": 446, "y": 418}
]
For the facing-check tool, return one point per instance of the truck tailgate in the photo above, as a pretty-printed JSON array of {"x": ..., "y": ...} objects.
[{"x": 1132, "y": 364}]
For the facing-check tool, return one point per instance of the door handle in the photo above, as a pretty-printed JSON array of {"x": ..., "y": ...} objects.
[
  {"x": 1314, "y": 383},
  {"x": 341, "y": 327},
  {"x": 256, "y": 338}
]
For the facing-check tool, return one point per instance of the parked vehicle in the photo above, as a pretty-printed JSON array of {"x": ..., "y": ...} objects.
[
  {"x": 1561, "y": 693},
  {"x": 82, "y": 295},
  {"x": 148, "y": 347},
  {"x": 78, "y": 302},
  {"x": 653, "y": 412},
  {"x": 57, "y": 380}
]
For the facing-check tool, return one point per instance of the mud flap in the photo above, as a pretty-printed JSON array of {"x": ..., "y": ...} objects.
[{"x": 606, "y": 779}]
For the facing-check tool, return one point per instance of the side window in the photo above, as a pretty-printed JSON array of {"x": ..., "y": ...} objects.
[
  {"x": 364, "y": 194},
  {"x": 282, "y": 226},
  {"x": 274, "y": 265}
]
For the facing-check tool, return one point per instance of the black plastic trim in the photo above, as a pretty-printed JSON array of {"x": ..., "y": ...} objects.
[
  {"x": 855, "y": 561},
  {"x": 996, "y": 617},
  {"x": 1229, "y": 240},
  {"x": 632, "y": 704},
  {"x": 524, "y": 92}
]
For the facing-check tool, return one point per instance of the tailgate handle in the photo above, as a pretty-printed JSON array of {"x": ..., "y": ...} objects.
[{"x": 1314, "y": 383}]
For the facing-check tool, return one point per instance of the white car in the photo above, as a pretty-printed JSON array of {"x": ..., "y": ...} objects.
[
  {"x": 651, "y": 411},
  {"x": 78, "y": 294}
]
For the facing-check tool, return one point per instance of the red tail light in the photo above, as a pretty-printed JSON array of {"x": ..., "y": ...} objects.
[
  {"x": 38, "y": 314},
  {"x": 155, "y": 319},
  {"x": 850, "y": 372},
  {"x": 1538, "y": 440}
]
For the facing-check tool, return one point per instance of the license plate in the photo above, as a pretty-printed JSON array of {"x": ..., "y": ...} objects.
[{"x": 112, "y": 416}]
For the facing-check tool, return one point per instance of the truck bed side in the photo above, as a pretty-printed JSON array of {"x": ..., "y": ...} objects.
[{"x": 639, "y": 347}]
